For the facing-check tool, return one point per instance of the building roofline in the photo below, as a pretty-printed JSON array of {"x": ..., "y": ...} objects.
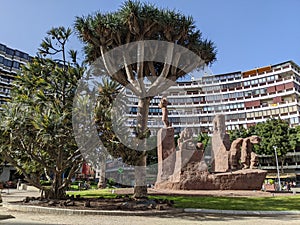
[
  {"x": 282, "y": 63},
  {"x": 15, "y": 49},
  {"x": 222, "y": 74},
  {"x": 272, "y": 66}
]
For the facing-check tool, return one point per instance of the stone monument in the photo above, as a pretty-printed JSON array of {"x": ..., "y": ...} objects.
[
  {"x": 247, "y": 156},
  {"x": 188, "y": 153},
  {"x": 220, "y": 145},
  {"x": 233, "y": 165},
  {"x": 166, "y": 151},
  {"x": 235, "y": 154},
  {"x": 163, "y": 105}
]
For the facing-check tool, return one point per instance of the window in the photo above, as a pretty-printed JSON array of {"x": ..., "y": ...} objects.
[
  {"x": 246, "y": 83},
  {"x": 291, "y": 109},
  {"x": 16, "y": 65},
  {"x": 133, "y": 109},
  {"x": 248, "y": 93},
  {"x": 262, "y": 80},
  {"x": 9, "y": 51},
  {"x": 270, "y": 78},
  {"x": 294, "y": 120},
  {"x": 256, "y": 92},
  {"x": 2, "y": 48},
  {"x": 7, "y": 62},
  {"x": 263, "y": 91},
  {"x": 253, "y": 82}
]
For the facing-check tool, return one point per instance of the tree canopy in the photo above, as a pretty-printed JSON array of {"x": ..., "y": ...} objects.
[
  {"x": 274, "y": 133},
  {"x": 36, "y": 125}
]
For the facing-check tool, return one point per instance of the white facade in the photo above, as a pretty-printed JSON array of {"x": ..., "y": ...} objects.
[{"x": 245, "y": 98}]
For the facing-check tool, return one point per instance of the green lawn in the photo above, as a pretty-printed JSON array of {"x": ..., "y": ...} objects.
[
  {"x": 94, "y": 193},
  {"x": 278, "y": 203},
  {"x": 237, "y": 203}
]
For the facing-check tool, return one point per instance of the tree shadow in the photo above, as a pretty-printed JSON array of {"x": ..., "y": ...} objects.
[{"x": 224, "y": 217}]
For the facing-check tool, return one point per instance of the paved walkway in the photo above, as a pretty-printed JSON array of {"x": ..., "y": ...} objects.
[{"x": 31, "y": 218}]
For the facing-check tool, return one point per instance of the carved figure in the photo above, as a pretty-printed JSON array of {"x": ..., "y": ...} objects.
[
  {"x": 185, "y": 141},
  {"x": 220, "y": 145},
  {"x": 163, "y": 105},
  {"x": 219, "y": 124},
  {"x": 247, "y": 150},
  {"x": 235, "y": 154},
  {"x": 254, "y": 160}
]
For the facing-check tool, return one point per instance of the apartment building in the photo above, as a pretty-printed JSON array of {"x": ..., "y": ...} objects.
[
  {"x": 244, "y": 97},
  {"x": 10, "y": 62}
]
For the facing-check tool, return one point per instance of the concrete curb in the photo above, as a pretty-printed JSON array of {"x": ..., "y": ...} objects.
[
  {"x": 30, "y": 208},
  {"x": 50, "y": 210}
]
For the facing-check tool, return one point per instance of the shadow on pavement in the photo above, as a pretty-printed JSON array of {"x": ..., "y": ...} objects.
[{"x": 221, "y": 217}]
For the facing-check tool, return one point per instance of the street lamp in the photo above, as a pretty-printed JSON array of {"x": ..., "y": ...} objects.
[{"x": 278, "y": 175}]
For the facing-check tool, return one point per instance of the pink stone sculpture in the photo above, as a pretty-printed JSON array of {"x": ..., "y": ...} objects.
[
  {"x": 220, "y": 145},
  {"x": 166, "y": 153},
  {"x": 235, "y": 154},
  {"x": 163, "y": 105},
  {"x": 233, "y": 166},
  {"x": 247, "y": 150}
]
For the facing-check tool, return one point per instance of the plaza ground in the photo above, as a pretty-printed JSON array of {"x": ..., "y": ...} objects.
[{"x": 30, "y": 218}]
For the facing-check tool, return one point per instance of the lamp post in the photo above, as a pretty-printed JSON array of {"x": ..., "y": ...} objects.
[{"x": 278, "y": 175}]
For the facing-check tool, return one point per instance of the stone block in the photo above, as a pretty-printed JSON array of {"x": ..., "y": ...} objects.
[{"x": 166, "y": 153}]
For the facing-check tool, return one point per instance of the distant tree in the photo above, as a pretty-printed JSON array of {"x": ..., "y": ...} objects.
[
  {"x": 204, "y": 139},
  {"x": 36, "y": 125},
  {"x": 294, "y": 137},
  {"x": 239, "y": 133},
  {"x": 274, "y": 133},
  {"x": 137, "y": 22}
]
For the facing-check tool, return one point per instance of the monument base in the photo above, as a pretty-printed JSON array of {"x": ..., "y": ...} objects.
[
  {"x": 166, "y": 153},
  {"x": 248, "y": 179}
]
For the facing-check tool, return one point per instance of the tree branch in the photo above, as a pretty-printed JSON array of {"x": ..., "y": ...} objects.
[{"x": 140, "y": 66}]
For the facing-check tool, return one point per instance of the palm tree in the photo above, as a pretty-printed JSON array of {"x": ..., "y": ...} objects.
[{"x": 141, "y": 40}]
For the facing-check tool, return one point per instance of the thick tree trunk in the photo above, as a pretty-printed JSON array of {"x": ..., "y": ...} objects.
[
  {"x": 53, "y": 193},
  {"x": 140, "y": 188},
  {"x": 102, "y": 182},
  {"x": 57, "y": 191}
]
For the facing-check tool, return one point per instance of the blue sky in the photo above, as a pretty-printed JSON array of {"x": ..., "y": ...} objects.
[{"x": 247, "y": 33}]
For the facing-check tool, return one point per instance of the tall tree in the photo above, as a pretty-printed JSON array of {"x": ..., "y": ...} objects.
[
  {"x": 294, "y": 137},
  {"x": 274, "y": 134},
  {"x": 36, "y": 126},
  {"x": 178, "y": 49}
]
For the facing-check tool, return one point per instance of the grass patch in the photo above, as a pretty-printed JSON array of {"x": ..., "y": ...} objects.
[
  {"x": 278, "y": 203},
  {"x": 236, "y": 203},
  {"x": 94, "y": 193}
]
